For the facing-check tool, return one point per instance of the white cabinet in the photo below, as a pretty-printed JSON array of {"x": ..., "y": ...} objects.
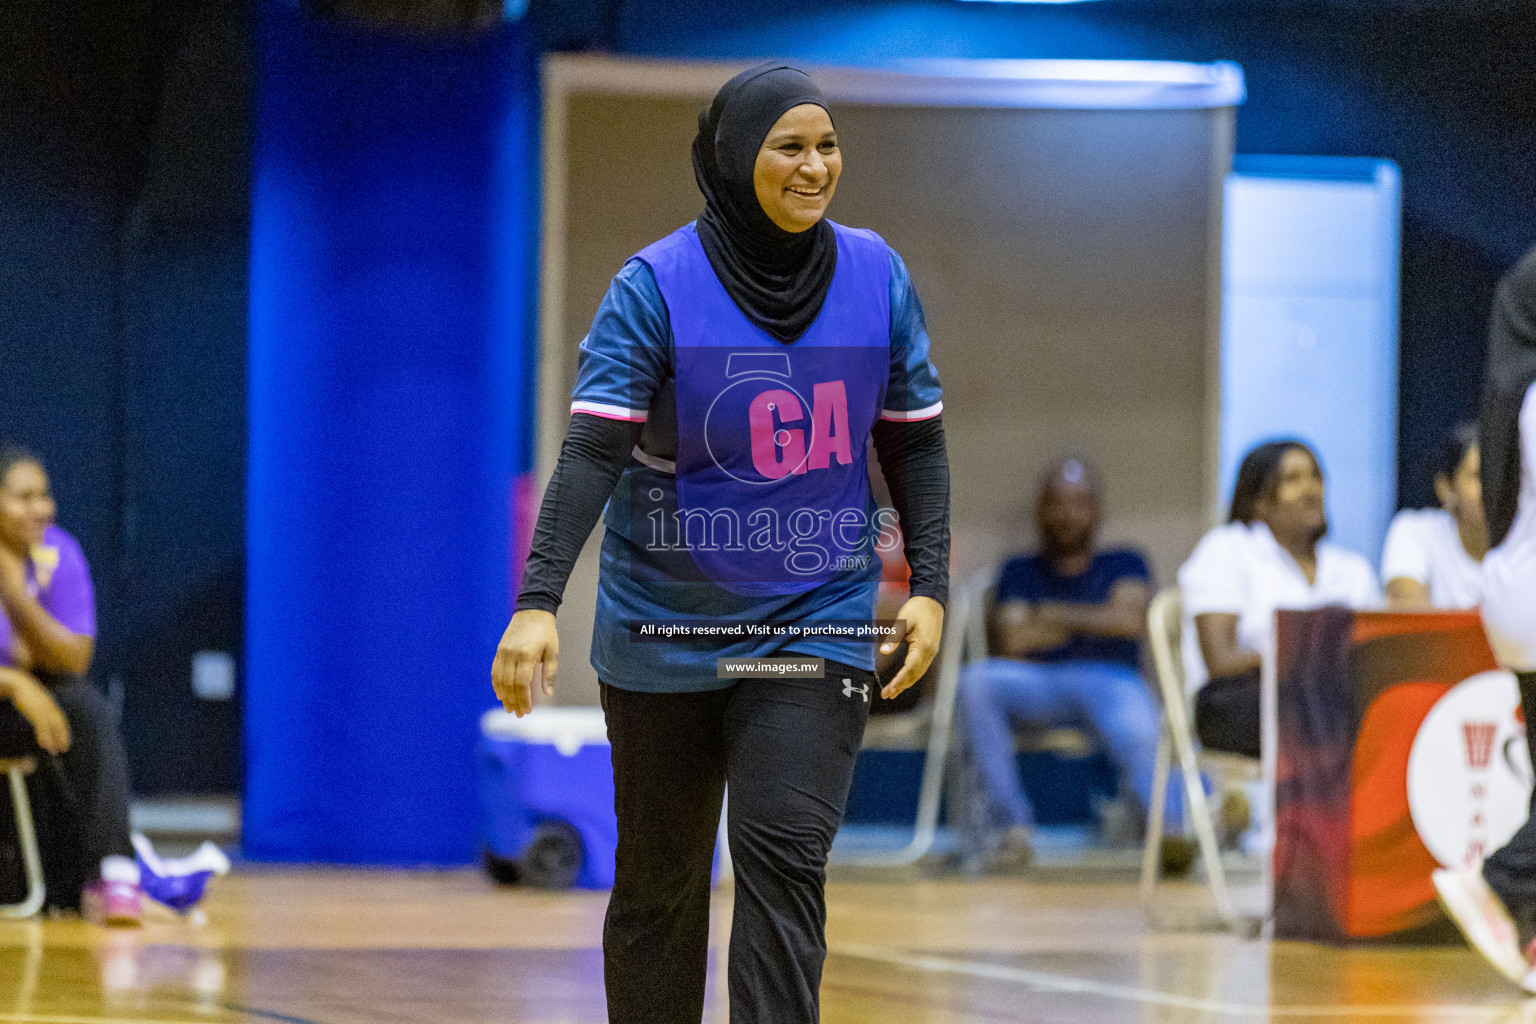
[{"x": 1309, "y": 327}]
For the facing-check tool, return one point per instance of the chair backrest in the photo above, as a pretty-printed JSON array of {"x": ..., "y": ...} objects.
[
  {"x": 977, "y": 646},
  {"x": 911, "y": 729},
  {"x": 1165, "y": 633},
  {"x": 983, "y": 588}
]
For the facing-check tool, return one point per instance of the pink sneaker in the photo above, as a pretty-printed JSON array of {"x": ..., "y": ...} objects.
[
  {"x": 115, "y": 904},
  {"x": 1529, "y": 981},
  {"x": 1484, "y": 920}
]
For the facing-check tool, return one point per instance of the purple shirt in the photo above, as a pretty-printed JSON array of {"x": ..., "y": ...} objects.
[{"x": 60, "y": 579}]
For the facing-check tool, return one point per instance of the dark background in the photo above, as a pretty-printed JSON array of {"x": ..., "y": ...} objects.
[
  {"x": 124, "y": 226},
  {"x": 124, "y": 234}
]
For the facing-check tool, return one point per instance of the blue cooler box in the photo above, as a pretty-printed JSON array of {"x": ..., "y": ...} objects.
[{"x": 546, "y": 789}]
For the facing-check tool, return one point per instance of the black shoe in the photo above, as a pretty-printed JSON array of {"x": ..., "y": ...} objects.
[{"x": 1176, "y": 855}]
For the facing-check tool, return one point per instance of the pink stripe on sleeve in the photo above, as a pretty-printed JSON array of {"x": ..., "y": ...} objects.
[{"x": 609, "y": 412}]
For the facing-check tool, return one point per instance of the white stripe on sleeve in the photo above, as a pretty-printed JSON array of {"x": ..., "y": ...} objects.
[{"x": 912, "y": 415}]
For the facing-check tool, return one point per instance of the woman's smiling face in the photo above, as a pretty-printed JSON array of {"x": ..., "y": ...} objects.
[{"x": 797, "y": 168}]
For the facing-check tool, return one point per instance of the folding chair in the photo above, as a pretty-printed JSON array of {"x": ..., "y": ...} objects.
[
  {"x": 938, "y": 718},
  {"x": 964, "y": 641},
  {"x": 1164, "y": 632},
  {"x": 18, "y": 768},
  {"x": 1065, "y": 739}
]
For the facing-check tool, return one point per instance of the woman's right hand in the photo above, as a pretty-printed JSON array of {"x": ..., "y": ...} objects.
[
  {"x": 529, "y": 649},
  {"x": 38, "y": 707}
]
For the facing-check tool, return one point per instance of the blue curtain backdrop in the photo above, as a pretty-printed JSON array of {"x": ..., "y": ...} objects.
[{"x": 391, "y": 282}]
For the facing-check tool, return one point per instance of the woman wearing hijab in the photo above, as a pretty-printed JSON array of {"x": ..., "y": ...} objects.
[
  {"x": 1494, "y": 902},
  {"x": 725, "y": 396}
]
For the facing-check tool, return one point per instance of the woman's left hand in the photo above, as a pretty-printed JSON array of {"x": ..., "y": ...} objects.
[{"x": 925, "y": 624}]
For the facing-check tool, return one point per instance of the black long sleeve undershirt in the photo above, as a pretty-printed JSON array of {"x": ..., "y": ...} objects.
[
  {"x": 592, "y": 458},
  {"x": 915, "y": 462},
  {"x": 912, "y": 456}
]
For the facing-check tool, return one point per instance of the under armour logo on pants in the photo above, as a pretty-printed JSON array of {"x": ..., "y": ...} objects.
[{"x": 849, "y": 690}]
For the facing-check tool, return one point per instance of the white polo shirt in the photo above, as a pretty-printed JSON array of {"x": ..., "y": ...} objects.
[
  {"x": 1242, "y": 570},
  {"x": 1424, "y": 545},
  {"x": 1509, "y": 571}
]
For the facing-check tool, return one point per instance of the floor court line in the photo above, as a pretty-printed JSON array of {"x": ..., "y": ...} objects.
[
  {"x": 55, "y": 1018},
  {"x": 1047, "y": 982},
  {"x": 250, "y": 1011}
]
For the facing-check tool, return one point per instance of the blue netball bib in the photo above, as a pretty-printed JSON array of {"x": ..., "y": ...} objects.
[{"x": 771, "y": 472}]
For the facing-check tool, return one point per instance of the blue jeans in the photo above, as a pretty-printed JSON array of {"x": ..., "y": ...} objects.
[{"x": 1109, "y": 700}]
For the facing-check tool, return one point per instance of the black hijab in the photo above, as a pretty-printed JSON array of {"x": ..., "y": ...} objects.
[
  {"x": 1511, "y": 369},
  {"x": 778, "y": 278}
]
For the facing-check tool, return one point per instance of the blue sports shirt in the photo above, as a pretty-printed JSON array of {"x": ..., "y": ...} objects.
[{"x": 627, "y": 371}]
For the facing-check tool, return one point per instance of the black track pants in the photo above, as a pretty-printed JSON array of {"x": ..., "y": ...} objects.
[
  {"x": 93, "y": 775},
  {"x": 786, "y": 747},
  {"x": 1227, "y": 714},
  {"x": 1511, "y": 870}
]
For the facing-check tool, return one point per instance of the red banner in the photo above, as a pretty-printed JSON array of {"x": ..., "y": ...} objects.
[{"x": 1401, "y": 749}]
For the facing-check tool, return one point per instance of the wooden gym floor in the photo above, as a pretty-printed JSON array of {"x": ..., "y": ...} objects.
[{"x": 352, "y": 947}]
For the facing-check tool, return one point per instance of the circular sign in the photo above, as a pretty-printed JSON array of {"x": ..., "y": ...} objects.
[
  {"x": 726, "y": 435},
  {"x": 1469, "y": 771}
]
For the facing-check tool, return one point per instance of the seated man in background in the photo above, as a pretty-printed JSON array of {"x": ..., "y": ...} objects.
[
  {"x": 1270, "y": 555},
  {"x": 1067, "y": 630},
  {"x": 1433, "y": 557}
]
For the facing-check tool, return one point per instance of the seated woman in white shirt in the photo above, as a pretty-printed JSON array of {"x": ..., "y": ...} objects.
[
  {"x": 1433, "y": 557},
  {"x": 1270, "y": 555}
]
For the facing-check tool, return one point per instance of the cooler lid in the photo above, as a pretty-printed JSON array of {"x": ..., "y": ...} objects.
[{"x": 568, "y": 729}]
